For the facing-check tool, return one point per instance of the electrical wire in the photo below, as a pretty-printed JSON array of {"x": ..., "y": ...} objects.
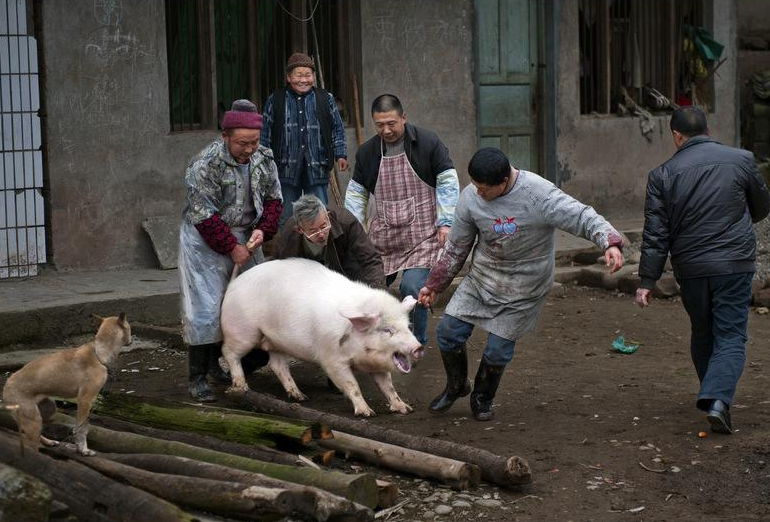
[{"x": 312, "y": 12}]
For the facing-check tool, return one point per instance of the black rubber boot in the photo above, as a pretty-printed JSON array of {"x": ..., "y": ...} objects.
[
  {"x": 484, "y": 390},
  {"x": 215, "y": 372},
  {"x": 457, "y": 383},
  {"x": 197, "y": 364}
]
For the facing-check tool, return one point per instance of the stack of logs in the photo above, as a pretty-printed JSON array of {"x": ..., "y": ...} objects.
[{"x": 166, "y": 461}]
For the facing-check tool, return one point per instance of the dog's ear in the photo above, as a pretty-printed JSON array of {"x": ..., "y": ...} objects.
[
  {"x": 99, "y": 317},
  {"x": 122, "y": 318}
]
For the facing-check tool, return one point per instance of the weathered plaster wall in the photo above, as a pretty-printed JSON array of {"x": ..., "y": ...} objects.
[
  {"x": 604, "y": 160},
  {"x": 753, "y": 17},
  {"x": 110, "y": 158},
  {"x": 422, "y": 51}
]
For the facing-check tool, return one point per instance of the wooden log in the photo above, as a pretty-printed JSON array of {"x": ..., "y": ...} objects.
[
  {"x": 239, "y": 427},
  {"x": 214, "y": 496},
  {"x": 510, "y": 471},
  {"x": 327, "y": 506},
  {"x": 204, "y": 441},
  {"x": 388, "y": 494},
  {"x": 360, "y": 488},
  {"x": 90, "y": 495},
  {"x": 458, "y": 475}
]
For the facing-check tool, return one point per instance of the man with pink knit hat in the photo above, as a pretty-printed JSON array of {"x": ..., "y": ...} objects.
[{"x": 233, "y": 205}]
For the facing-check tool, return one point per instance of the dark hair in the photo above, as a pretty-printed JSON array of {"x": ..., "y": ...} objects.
[
  {"x": 387, "y": 103},
  {"x": 689, "y": 121},
  {"x": 489, "y": 166}
]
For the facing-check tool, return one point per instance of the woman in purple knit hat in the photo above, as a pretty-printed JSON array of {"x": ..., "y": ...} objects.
[{"x": 233, "y": 204}]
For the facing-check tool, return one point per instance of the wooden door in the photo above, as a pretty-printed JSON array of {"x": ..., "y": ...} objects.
[{"x": 507, "y": 74}]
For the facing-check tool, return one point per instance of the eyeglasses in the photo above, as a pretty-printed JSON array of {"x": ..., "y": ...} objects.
[{"x": 314, "y": 233}]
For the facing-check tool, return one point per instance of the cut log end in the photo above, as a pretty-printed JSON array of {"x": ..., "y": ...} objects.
[{"x": 519, "y": 471}]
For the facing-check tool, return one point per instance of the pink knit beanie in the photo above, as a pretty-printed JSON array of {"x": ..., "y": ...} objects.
[{"x": 242, "y": 115}]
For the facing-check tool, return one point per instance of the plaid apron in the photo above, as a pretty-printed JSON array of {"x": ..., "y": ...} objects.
[{"x": 404, "y": 229}]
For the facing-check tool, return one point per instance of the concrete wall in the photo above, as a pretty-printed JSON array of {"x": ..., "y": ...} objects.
[
  {"x": 422, "y": 51},
  {"x": 604, "y": 160},
  {"x": 753, "y": 17},
  {"x": 110, "y": 158}
]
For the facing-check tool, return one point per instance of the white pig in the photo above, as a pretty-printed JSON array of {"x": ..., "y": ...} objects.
[{"x": 299, "y": 309}]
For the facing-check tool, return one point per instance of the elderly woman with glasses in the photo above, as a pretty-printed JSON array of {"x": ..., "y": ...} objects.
[{"x": 333, "y": 237}]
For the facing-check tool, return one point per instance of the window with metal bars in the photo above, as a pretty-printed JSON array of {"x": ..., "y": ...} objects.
[
  {"x": 223, "y": 50},
  {"x": 634, "y": 53}
]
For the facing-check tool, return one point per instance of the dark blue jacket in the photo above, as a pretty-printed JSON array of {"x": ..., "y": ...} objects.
[{"x": 700, "y": 207}]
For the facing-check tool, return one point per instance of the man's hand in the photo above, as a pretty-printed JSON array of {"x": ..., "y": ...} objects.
[
  {"x": 613, "y": 258},
  {"x": 643, "y": 296},
  {"x": 256, "y": 239},
  {"x": 426, "y": 297},
  {"x": 441, "y": 234},
  {"x": 240, "y": 254},
  {"x": 342, "y": 164}
]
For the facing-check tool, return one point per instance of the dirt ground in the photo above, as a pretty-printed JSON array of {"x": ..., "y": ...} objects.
[{"x": 587, "y": 419}]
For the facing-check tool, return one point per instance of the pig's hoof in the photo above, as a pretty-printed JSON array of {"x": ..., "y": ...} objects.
[
  {"x": 402, "y": 408},
  {"x": 298, "y": 396},
  {"x": 368, "y": 412}
]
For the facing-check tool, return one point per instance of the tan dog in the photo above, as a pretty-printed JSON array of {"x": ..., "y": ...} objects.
[{"x": 76, "y": 373}]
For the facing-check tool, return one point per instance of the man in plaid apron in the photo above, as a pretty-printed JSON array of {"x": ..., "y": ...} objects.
[{"x": 415, "y": 187}]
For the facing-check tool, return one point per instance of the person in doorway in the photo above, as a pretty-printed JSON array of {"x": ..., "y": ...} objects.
[
  {"x": 410, "y": 173},
  {"x": 333, "y": 237},
  {"x": 699, "y": 209},
  {"x": 232, "y": 207},
  {"x": 510, "y": 216},
  {"x": 304, "y": 129}
]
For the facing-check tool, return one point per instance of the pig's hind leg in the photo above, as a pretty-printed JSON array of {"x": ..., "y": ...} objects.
[
  {"x": 385, "y": 384},
  {"x": 343, "y": 378},
  {"x": 233, "y": 351},
  {"x": 279, "y": 363}
]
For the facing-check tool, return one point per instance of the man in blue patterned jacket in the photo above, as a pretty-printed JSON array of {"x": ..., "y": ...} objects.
[{"x": 304, "y": 129}]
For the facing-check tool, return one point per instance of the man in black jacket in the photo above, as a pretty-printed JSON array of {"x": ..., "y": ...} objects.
[{"x": 700, "y": 207}]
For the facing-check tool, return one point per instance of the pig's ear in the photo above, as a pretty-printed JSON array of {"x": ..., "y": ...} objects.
[
  {"x": 361, "y": 321},
  {"x": 408, "y": 303}
]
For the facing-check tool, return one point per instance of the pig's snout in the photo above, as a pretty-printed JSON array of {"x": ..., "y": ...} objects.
[{"x": 418, "y": 352}]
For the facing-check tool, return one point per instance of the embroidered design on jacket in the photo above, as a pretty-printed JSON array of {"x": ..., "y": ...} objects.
[{"x": 505, "y": 226}]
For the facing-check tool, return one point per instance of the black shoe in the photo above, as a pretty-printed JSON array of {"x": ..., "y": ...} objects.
[
  {"x": 197, "y": 365},
  {"x": 484, "y": 390},
  {"x": 200, "y": 391},
  {"x": 457, "y": 383},
  {"x": 719, "y": 418}
]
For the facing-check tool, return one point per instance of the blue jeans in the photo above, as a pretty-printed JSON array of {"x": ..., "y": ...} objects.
[
  {"x": 452, "y": 334},
  {"x": 412, "y": 279},
  {"x": 718, "y": 307},
  {"x": 291, "y": 194}
]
